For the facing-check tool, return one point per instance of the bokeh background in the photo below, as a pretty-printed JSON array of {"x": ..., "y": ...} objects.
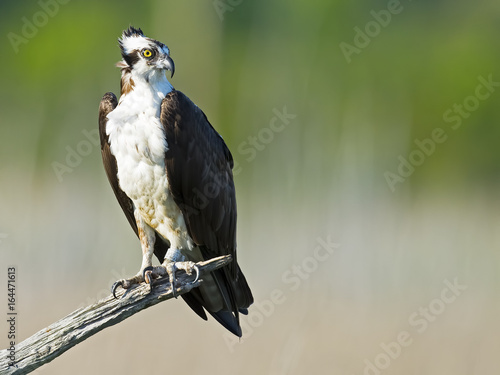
[{"x": 364, "y": 84}]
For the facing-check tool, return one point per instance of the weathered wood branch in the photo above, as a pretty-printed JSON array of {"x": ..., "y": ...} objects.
[{"x": 51, "y": 342}]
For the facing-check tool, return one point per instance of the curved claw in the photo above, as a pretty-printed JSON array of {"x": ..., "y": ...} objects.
[
  {"x": 115, "y": 286},
  {"x": 147, "y": 275},
  {"x": 197, "y": 270}
]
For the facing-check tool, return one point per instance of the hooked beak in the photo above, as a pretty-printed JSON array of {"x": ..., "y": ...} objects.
[{"x": 166, "y": 63}]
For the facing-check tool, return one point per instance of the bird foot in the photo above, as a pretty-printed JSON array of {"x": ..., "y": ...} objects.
[
  {"x": 169, "y": 268},
  {"x": 149, "y": 274},
  {"x": 128, "y": 283}
]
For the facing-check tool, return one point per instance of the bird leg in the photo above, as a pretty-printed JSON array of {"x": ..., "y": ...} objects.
[{"x": 147, "y": 237}]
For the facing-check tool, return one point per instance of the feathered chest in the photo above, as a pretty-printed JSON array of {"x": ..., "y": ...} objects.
[{"x": 137, "y": 140}]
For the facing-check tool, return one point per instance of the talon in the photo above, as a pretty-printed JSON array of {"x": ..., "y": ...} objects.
[
  {"x": 115, "y": 286},
  {"x": 127, "y": 283},
  {"x": 197, "y": 270},
  {"x": 147, "y": 275}
]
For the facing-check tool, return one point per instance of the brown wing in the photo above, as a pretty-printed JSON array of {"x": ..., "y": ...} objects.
[
  {"x": 109, "y": 103},
  {"x": 199, "y": 170},
  {"x": 199, "y": 165}
]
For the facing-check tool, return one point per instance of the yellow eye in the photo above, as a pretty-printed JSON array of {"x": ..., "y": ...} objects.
[{"x": 147, "y": 53}]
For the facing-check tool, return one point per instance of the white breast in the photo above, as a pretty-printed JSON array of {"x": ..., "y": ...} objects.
[{"x": 137, "y": 141}]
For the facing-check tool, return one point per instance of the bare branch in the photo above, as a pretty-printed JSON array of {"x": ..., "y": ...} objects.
[{"x": 51, "y": 342}]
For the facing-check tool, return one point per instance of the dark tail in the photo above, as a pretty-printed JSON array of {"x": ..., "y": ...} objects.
[{"x": 233, "y": 296}]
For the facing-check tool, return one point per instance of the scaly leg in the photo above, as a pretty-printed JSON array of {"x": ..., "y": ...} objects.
[{"x": 147, "y": 237}]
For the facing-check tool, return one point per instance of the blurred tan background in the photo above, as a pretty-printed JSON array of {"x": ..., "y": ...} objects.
[{"x": 369, "y": 214}]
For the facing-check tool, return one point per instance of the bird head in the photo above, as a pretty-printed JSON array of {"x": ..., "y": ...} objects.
[{"x": 144, "y": 56}]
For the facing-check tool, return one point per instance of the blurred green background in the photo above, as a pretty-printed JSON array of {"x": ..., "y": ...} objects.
[{"x": 389, "y": 150}]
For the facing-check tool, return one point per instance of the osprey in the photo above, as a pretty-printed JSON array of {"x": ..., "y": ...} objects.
[{"x": 172, "y": 175}]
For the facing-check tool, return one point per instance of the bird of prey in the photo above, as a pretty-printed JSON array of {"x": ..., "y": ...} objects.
[{"x": 172, "y": 175}]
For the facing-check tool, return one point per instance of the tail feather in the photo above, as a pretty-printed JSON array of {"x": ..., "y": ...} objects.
[
  {"x": 224, "y": 294},
  {"x": 192, "y": 300},
  {"x": 234, "y": 296},
  {"x": 228, "y": 320}
]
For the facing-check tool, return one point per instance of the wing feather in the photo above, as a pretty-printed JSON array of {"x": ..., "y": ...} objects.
[{"x": 199, "y": 171}]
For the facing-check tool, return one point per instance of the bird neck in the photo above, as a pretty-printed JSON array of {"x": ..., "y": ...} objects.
[{"x": 155, "y": 84}]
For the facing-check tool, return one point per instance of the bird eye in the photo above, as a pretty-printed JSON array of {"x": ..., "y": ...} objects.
[{"x": 147, "y": 53}]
